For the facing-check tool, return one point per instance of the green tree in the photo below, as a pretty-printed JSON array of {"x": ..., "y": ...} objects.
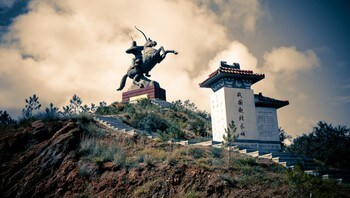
[
  {"x": 283, "y": 136},
  {"x": 103, "y": 104},
  {"x": 76, "y": 104},
  {"x": 32, "y": 106},
  {"x": 85, "y": 108},
  {"x": 67, "y": 110},
  {"x": 93, "y": 108},
  {"x": 190, "y": 105},
  {"x": 304, "y": 185},
  {"x": 229, "y": 137},
  {"x": 51, "y": 112},
  {"x": 327, "y": 143}
]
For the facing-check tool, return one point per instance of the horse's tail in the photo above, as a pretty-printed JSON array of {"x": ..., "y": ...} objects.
[{"x": 122, "y": 82}]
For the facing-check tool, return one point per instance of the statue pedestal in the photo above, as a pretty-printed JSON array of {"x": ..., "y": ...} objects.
[{"x": 150, "y": 92}]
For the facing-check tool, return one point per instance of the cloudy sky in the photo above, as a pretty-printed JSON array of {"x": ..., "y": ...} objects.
[{"x": 57, "y": 48}]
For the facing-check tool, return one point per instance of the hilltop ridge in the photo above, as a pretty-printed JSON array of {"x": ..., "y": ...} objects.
[{"x": 76, "y": 156}]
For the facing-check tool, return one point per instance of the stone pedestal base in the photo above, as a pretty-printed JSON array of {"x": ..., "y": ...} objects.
[
  {"x": 150, "y": 92},
  {"x": 259, "y": 145}
]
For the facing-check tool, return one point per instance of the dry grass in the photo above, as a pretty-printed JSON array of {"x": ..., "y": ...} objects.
[{"x": 146, "y": 187}]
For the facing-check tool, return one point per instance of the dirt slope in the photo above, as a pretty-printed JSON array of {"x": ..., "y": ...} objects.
[{"x": 70, "y": 159}]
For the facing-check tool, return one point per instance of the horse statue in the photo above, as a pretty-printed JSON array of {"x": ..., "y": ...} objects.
[{"x": 150, "y": 58}]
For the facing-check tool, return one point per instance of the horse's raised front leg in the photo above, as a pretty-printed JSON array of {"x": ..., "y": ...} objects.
[{"x": 165, "y": 52}]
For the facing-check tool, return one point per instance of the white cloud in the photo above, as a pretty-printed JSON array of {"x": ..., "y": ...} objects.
[
  {"x": 236, "y": 52},
  {"x": 60, "y": 48},
  {"x": 289, "y": 60},
  {"x": 282, "y": 66}
]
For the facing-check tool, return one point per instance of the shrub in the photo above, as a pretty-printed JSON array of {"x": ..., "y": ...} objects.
[
  {"x": 89, "y": 128},
  {"x": 163, "y": 136},
  {"x": 216, "y": 152},
  {"x": 227, "y": 179},
  {"x": 106, "y": 111},
  {"x": 196, "y": 153},
  {"x": 151, "y": 123},
  {"x": 303, "y": 185},
  {"x": 85, "y": 170},
  {"x": 217, "y": 162},
  {"x": 153, "y": 154},
  {"x": 119, "y": 158},
  {"x": 205, "y": 164},
  {"x": 172, "y": 161},
  {"x": 144, "y": 103},
  {"x": 336, "y": 140},
  {"x": 175, "y": 132},
  {"x": 100, "y": 152},
  {"x": 247, "y": 161},
  {"x": 177, "y": 156},
  {"x": 51, "y": 112},
  {"x": 198, "y": 127},
  {"x": 241, "y": 163},
  {"x": 129, "y": 109},
  {"x": 276, "y": 168},
  {"x": 251, "y": 170}
]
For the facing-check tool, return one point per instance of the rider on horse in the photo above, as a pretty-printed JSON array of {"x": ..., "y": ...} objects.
[
  {"x": 137, "y": 60},
  {"x": 144, "y": 62}
]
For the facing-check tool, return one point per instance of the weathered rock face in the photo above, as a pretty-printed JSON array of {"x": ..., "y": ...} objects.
[{"x": 38, "y": 159}]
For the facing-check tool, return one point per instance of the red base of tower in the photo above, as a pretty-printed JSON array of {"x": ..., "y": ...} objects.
[{"x": 150, "y": 92}]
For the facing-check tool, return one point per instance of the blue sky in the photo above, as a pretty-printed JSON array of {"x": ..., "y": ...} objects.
[
  {"x": 60, "y": 48},
  {"x": 325, "y": 27}
]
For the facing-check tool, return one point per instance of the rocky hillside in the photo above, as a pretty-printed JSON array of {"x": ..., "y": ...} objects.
[{"x": 79, "y": 158}]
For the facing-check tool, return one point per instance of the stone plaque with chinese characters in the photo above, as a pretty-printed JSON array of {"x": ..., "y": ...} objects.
[
  {"x": 267, "y": 124},
  {"x": 241, "y": 109}
]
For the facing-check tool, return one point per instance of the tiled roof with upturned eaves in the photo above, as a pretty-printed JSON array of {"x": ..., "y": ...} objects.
[
  {"x": 224, "y": 71},
  {"x": 263, "y": 101}
]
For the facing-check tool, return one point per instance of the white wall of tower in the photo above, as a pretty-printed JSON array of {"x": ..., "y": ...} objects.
[
  {"x": 218, "y": 114},
  {"x": 235, "y": 104},
  {"x": 240, "y": 108}
]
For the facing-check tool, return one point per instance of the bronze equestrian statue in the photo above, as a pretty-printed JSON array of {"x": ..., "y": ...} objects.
[{"x": 142, "y": 64}]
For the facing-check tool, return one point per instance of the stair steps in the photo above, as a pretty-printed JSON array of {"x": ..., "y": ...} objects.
[{"x": 116, "y": 124}]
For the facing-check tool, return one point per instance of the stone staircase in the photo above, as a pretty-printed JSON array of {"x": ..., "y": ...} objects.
[
  {"x": 290, "y": 160},
  {"x": 285, "y": 159},
  {"x": 115, "y": 124}
]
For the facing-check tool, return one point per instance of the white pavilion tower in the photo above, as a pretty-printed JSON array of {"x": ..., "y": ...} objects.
[{"x": 254, "y": 115}]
